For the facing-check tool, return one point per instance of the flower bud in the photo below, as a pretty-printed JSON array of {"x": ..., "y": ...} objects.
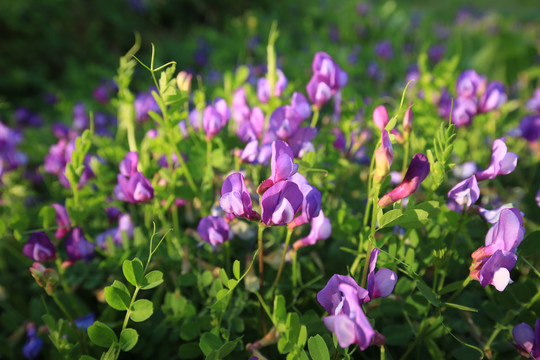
[
  {"x": 380, "y": 117},
  {"x": 183, "y": 80},
  {"x": 383, "y": 158}
]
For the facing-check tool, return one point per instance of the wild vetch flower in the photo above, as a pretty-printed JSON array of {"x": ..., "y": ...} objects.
[
  {"x": 144, "y": 103},
  {"x": 408, "y": 120},
  {"x": 468, "y": 84},
  {"x": 62, "y": 220},
  {"x": 77, "y": 247},
  {"x": 235, "y": 198},
  {"x": 493, "y": 97},
  {"x": 300, "y": 105},
  {"x": 81, "y": 120},
  {"x": 327, "y": 79},
  {"x": 380, "y": 117},
  {"x": 380, "y": 283},
  {"x": 318, "y": 90},
  {"x": 125, "y": 225},
  {"x": 25, "y": 118},
  {"x": 128, "y": 166},
  {"x": 215, "y": 117},
  {"x": 250, "y": 152},
  {"x": 136, "y": 189},
  {"x": 384, "y": 50},
  {"x": 492, "y": 263},
  {"x": 311, "y": 204},
  {"x": 47, "y": 278},
  {"x": 502, "y": 161},
  {"x": 527, "y": 341},
  {"x": 534, "y": 102},
  {"x": 10, "y": 157},
  {"x": 321, "y": 229},
  {"x": 84, "y": 322},
  {"x": 280, "y": 203},
  {"x": 465, "y": 170},
  {"x": 463, "y": 111},
  {"x": 214, "y": 230},
  {"x": 416, "y": 173},
  {"x": 537, "y": 198},
  {"x": 39, "y": 247},
  {"x": 251, "y": 128},
  {"x": 104, "y": 91},
  {"x": 240, "y": 108},
  {"x": 436, "y": 53},
  {"x": 33, "y": 344},
  {"x": 383, "y": 157},
  {"x": 284, "y": 121},
  {"x": 342, "y": 299},
  {"x": 263, "y": 90},
  {"x": 282, "y": 165},
  {"x": 492, "y": 216},
  {"x": 464, "y": 194},
  {"x": 530, "y": 127}
]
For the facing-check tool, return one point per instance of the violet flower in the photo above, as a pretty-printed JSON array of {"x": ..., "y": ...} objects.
[
  {"x": 128, "y": 166},
  {"x": 342, "y": 299},
  {"x": 530, "y": 128},
  {"x": 240, "y": 108},
  {"x": 463, "y": 111},
  {"x": 251, "y": 152},
  {"x": 380, "y": 117},
  {"x": 300, "y": 142},
  {"x": 33, "y": 345},
  {"x": 493, "y": 97},
  {"x": 215, "y": 117},
  {"x": 527, "y": 341},
  {"x": 81, "y": 120},
  {"x": 502, "y": 161},
  {"x": 318, "y": 90},
  {"x": 235, "y": 198},
  {"x": 280, "y": 203},
  {"x": 136, "y": 189},
  {"x": 492, "y": 216},
  {"x": 77, "y": 247},
  {"x": 125, "y": 225},
  {"x": 537, "y": 198},
  {"x": 282, "y": 165},
  {"x": 383, "y": 157},
  {"x": 464, "y": 194},
  {"x": 327, "y": 79},
  {"x": 534, "y": 102},
  {"x": 39, "y": 247},
  {"x": 284, "y": 121},
  {"x": 263, "y": 90},
  {"x": 62, "y": 220},
  {"x": 300, "y": 105},
  {"x": 468, "y": 84},
  {"x": 408, "y": 121},
  {"x": 311, "y": 203},
  {"x": 144, "y": 103},
  {"x": 416, "y": 173},
  {"x": 26, "y": 118},
  {"x": 384, "y": 50},
  {"x": 321, "y": 229},
  {"x": 214, "y": 230},
  {"x": 251, "y": 128},
  {"x": 85, "y": 321},
  {"x": 380, "y": 283}
]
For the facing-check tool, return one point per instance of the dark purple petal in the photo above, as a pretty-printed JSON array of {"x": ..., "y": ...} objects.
[
  {"x": 493, "y": 97},
  {"x": 464, "y": 194},
  {"x": 502, "y": 161},
  {"x": 214, "y": 230},
  {"x": 62, "y": 220},
  {"x": 39, "y": 247},
  {"x": 128, "y": 166},
  {"x": 280, "y": 203},
  {"x": 77, "y": 247}
]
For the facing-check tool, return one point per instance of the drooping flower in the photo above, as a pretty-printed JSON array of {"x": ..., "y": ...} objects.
[
  {"x": 214, "y": 230},
  {"x": 502, "y": 161},
  {"x": 464, "y": 194},
  {"x": 183, "y": 81},
  {"x": 463, "y": 111},
  {"x": 284, "y": 121},
  {"x": 492, "y": 216},
  {"x": 77, "y": 247},
  {"x": 39, "y": 247},
  {"x": 527, "y": 341},
  {"x": 342, "y": 299},
  {"x": 235, "y": 198},
  {"x": 408, "y": 121},
  {"x": 280, "y": 203},
  {"x": 380, "y": 283},
  {"x": 416, "y": 173},
  {"x": 493, "y": 97},
  {"x": 530, "y": 127},
  {"x": 318, "y": 90},
  {"x": 136, "y": 189},
  {"x": 321, "y": 229},
  {"x": 327, "y": 79},
  {"x": 380, "y": 117},
  {"x": 263, "y": 90}
]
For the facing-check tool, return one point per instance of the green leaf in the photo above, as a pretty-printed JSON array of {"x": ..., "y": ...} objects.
[
  {"x": 427, "y": 292},
  {"x": 141, "y": 310},
  {"x": 223, "y": 276},
  {"x": 133, "y": 271},
  {"x": 410, "y": 219},
  {"x": 236, "y": 269},
  {"x": 280, "y": 312},
  {"x": 209, "y": 342},
  {"x": 317, "y": 348},
  {"x": 47, "y": 215},
  {"x": 460, "y": 307},
  {"x": 389, "y": 216},
  {"x": 117, "y": 296},
  {"x": 87, "y": 357},
  {"x": 101, "y": 335},
  {"x": 128, "y": 339},
  {"x": 228, "y": 348},
  {"x": 152, "y": 279}
]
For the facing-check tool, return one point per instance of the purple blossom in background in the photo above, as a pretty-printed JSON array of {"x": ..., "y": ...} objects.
[
  {"x": 25, "y": 118},
  {"x": 300, "y": 105},
  {"x": 136, "y": 189},
  {"x": 282, "y": 165},
  {"x": 10, "y": 157},
  {"x": 383, "y": 157},
  {"x": 318, "y": 90},
  {"x": 281, "y": 83},
  {"x": 61, "y": 131},
  {"x": 235, "y": 198},
  {"x": 469, "y": 83},
  {"x": 384, "y": 50},
  {"x": 413, "y": 73},
  {"x": 81, "y": 120},
  {"x": 374, "y": 71},
  {"x": 39, "y": 247},
  {"x": 342, "y": 299},
  {"x": 33, "y": 344},
  {"x": 492, "y": 216},
  {"x": 215, "y": 117},
  {"x": 263, "y": 90},
  {"x": 380, "y": 283},
  {"x": 537, "y": 198},
  {"x": 84, "y": 322},
  {"x": 492, "y": 263},
  {"x": 502, "y": 161},
  {"x": 77, "y": 247},
  {"x": 251, "y": 152},
  {"x": 240, "y": 108},
  {"x": 311, "y": 203},
  {"x": 436, "y": 53},
  {"x": 300, "y": 141},
  {"x": 464, "y": 194},
  {"x": 321, "y": 229},
  {"x": 380, "y": 117},
  {"x": 125, "y": 225},
  {"x": 463, "y": 111},
  {"x": 284, "y": 121},
  {"x": 62, "y": 221},
  {"x": 145, "y": 102},
  {"x": 530, "y": 128},
  {"x": 533, "y": 103},
  {"x": 214, "y": 230},
  {"x": 416, "y": 173},
  {"x": 104, "y": 91},
  {"x": 280, "y": 203},
  {"x": 327, "y": 79},
  {"x": 493, "y": 97},
  {"x": 527, "y": 340},
  {"x": 128, "y": 166},
  {"x": 465, "y": 170}
]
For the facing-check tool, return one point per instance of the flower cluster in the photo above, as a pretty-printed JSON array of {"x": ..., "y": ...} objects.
[
  {"x": 530, "y": 125},
  {"x": 328, "y": 78},
  {"x": 132, "y": 186},
  {"x": 10, "y": 157}
]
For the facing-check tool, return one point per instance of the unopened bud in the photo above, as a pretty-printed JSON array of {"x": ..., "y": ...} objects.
[{"x": 183, "y": 80}]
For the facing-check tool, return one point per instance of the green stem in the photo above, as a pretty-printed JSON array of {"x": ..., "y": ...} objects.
[
  {"x": 283, "y": 255},
  {"x": 294, "y": 272},
  {"x": 130, "y": 127},
  {"x": 406, "y": 149},
  {"x": 452, "y": 246},
  {"x": 372, "y": 233},
  {"x": 261, "y": 272},
  {"x": 128, "y": 312},
  {"x": 71, "y": 321},
  {"x": 370, "y": 180},
  {"x": 315, "y": 117}
]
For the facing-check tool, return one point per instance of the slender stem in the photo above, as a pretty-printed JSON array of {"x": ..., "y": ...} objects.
[
  {"x": 283, "y": 255},
  {"x": 315, "y": 117},
  {"x": 130, "y": 127},
  {"x": 72, "y": 322},
  {"x": 294, "y": 271},
  {"x": 372, "y": 233},
  {"x": 406, "y": 150},
  {"x": 261, "y": 272},
  {"x": 452, "y": 246},
  {"x": 128, "y": 312},
  {"x": 383, "y": 355},
  {"x": 370, "y": 180}
]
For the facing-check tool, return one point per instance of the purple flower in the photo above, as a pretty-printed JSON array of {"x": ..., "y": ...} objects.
[
  {"x": 33, "y": 344},
  {"x": 10, "y": 157},
  {"x": 380, "y": 283},
  {"x": 502, "y": 161},
  {"x": 250, "y": 152},
  {"x": 144, "y": 103},
  {"x": 280, "y": 203},
  {"x": 408, "y": 120},
  {"x": 128, "y": 166},
  {"x": 383, "y": 157},
  {"x": 436, "y": 53},
  {"x": 240, "y": 108},
  {"x": 39, "y": 247},
  {"x": 81, "y": 120},
  {"x": 62, "y": 220},
  {"x": 527, "y": 341},
  {"x": 342, "y": 299},
  {"x": 300, "y": 105},
  {"x": 282, "y": 165},
  {"x": 214, "y": 230},
  {"x": 464, "y": 194},
  {"x": 416, "y": 173},
  {"x": 530, "y": 127},
  {"x": 318, "y": 90},
  {"x": 465, "y": 170},
  {"x": 103, "y": 92},
  {"x": 380, "y": 117},
  {"x": 468, "y": 84},
  {"x": 284, "y": 121},
  {"x": 136, "y": 189},
  {"x": 235, "y": 198},
  {"x": 215, "y": 118},
  {"x": 537, "y": 198},
  {"x": 327, "y": 79},
  {"x": 492, "y": 263},
  {"x": 463, "y": 111},
  {"x": 300, "y": 141},
  {"x": 77, "y": 247},
  {"x": 493, "y": 97},
  {"x": 263, "y": 90},
  {"x": 84, "y": 322},
  {"x": 534, "y": 102},
  {"x": 281, "y": 83},
  {"x": 384, "y": 50},
  {"x": 321, "y": 229},
  {"x": 311, "y": 204},
  {"x": 492, "y": 216},
  {"x": 251, "y": 128},
  {"x": 25, "y": 118}
]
